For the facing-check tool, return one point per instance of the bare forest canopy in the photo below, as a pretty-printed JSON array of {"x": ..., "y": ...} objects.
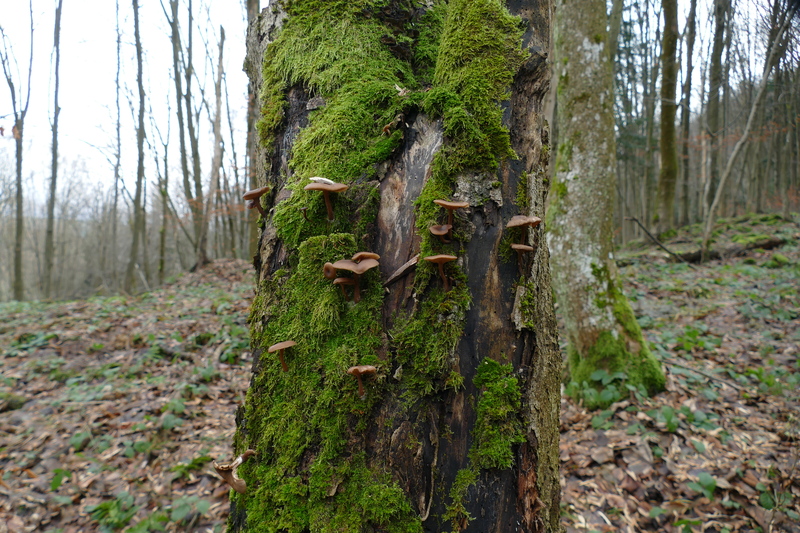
[{"x": 82, "y": 234}]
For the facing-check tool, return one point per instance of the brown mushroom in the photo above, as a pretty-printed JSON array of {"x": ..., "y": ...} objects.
[
  {"x": 357, "y": 269},
  {"x": 328, "y": 271},
  {"x": 441, "y": 231},
  {"x": 279, "y": 348},
  {"x": 341, "y": 282},
  {"x": 520, "y": 249},
  {"x": 360, "y": 256},
  {"x": 520, "y": 221},
  {"x": 440, "y": 260},
  {"x": 303, "y": 211},
  {"x": 228, "y": 472},
  {"x": 327, "y": 189},
  {"x": 359, "y": 371},
  {"x": 451, "y": 206},
  {"x": 253, "y": 199}
]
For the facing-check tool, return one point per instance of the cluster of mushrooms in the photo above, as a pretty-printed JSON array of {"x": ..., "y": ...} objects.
[{"x": 359, "y": 264}]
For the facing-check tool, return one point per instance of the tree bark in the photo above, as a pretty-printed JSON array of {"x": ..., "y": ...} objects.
[
  {"x": 712, "y": 108},
  {"x": 686, "y": 117},
  {"x": 458, "y": 429},
  {"x": 601, "y": 328},
  {"x": 669, "y": 79},
  {"x": 252, "y": 136},
  {"x": 138, "y": 215},
  {"x": 51, "y": 198}
]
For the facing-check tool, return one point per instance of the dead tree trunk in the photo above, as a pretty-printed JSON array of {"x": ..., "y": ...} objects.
[{"x": 458, "y": 427}]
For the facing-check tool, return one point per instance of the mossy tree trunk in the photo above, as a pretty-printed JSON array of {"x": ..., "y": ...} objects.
[
  {"x": 406, "y": 102},
  {"x": 668, "y": 174},
  {"x": 602, "y": 331}
]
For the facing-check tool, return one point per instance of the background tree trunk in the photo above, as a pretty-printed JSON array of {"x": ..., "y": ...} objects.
[
  {"x": 669, "y": 156},
  {"x": 601, "y": 328},
  {"x": 459, "y": 428},
  {"x": 138, "y": 215},
  {"x": 686, "y": 113},
  {"x": 51, "y": 198},
  {"x": 20, "y": 111}
]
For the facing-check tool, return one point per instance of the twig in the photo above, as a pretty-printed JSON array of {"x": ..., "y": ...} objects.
[
  {"x": 660, "y": 244},
  {"x": 708, "y": 375}
]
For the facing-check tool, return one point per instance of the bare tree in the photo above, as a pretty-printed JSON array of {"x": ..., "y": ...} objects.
[
  {"x": 138, "y": 215},
  {"x": 669, "y": 79},
  {"x": 51, "y": 198},
  {"x": 776, "y": 47},
  {"x": 20, "y": 111},
  {"x": 686, "y": 112}
]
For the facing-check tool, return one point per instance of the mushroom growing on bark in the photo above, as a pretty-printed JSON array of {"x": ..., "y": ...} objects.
[
  {"x": 520, "y": 221},
  {"x": 279, "y": 348},
  {"x": 356, "y": 268},
  {"x": 451, "y": 206},
  {"x": 253, "y": 199},
  {"x": 440, "y": 260},
  {"x": 360, "y": 256},
  {"x": 327, "y": 187},
  {"x": 359, "y": 371},
  {"x": 521, "y": 249},
  {"x": 441, "y": 231},
  {"x": 228, "y": 472},
  {"x": 341, "y": 282}
]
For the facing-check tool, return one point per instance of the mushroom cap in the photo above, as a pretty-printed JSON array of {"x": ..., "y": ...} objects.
[
  {"x": 451, "y": 205},
  {"x": 344, "y": 281},
  {"x": 280, "y": 346},
  {"x": 255, "y": 194},
  {"x": 318, "y": 179},
  {"x": 521, "y": 220},
  {"x": 444, "y": 229},
  {"x": 360, "y": 256},
  {"x": 345, "y": 264},
  {"x": 522, "y": 247},
  {"x": 329, "y": 271},
  {"x": 228, "y": 472},
  {"x": 365, "y": 265},
  {"x": 441, "y": 258},
  {"x": 326, "y": 187},
  {"x": 361, "y": 370}
]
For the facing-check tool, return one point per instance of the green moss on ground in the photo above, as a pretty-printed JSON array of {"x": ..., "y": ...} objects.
[{"x": 621, "y": 350}]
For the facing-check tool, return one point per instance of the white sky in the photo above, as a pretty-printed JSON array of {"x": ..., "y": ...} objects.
[{"x": 87, "y": 94}]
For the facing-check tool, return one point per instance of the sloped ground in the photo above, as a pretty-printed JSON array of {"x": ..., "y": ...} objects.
[
  {"x": 720, "y": 449},
  {"x": 127, "y": 400}
]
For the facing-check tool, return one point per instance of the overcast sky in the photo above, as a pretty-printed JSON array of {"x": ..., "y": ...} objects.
[{"x": 88, "y": 64}]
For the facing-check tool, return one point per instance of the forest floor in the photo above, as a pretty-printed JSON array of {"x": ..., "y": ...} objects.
[
  {"x": 719, "y": 449},
  {"x": 112, "y": 409}
]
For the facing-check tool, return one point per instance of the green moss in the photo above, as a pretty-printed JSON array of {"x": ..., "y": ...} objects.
[
  {"x": 621, "y": 350},
  {"x": 521, "y": 199},
  {"x": 497, "y": 429},
  {"x": 425, "y": 341},
  {"x": 498, "y": 426},
  {"x": 313, "y": 412},
  {"x": 456, "y": 512}
]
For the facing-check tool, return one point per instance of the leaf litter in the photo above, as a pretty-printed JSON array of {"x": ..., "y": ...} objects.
[
  {"x": 112, "y": 409},
  {"x": 719, "y": 450}
]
